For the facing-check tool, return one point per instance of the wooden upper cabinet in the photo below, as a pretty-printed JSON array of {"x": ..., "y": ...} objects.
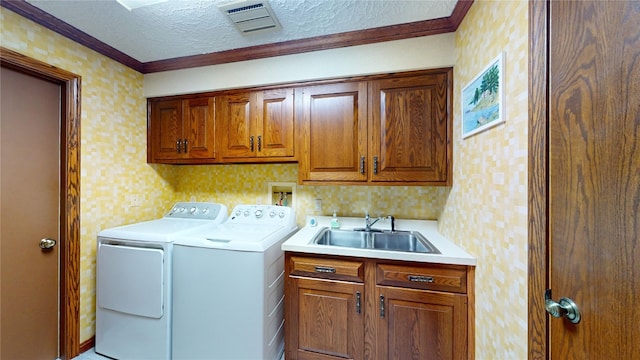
[
  {"x": 392, "y": 129},
  {"x": 257, "y": 126},
  {"x": 333, "y": 132},
  {"x": 181, "y": 131},
  {"x": 410, "y": 129},
  {"x": 385, "y": 131},
  {"x": 235, "y": 135}
]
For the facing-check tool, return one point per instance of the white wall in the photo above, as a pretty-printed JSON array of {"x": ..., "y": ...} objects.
[{"x": 402, "y": 55}]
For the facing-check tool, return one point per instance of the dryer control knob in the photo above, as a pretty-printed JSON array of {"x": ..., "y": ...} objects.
[
  {"x": 247, "y": 213},
  {"x": 281, "y": 214},
  {"x": 193, "y": 209},
  {"x": 272, "y": 214},
  {"x": 258, "y": 214}
]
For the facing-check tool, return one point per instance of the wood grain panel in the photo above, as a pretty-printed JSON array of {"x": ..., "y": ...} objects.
[
  {"x": 594, "y": 187},
  {"x": 335, "y": 119},
  {"x": 236, "y": 126},
  {"x": 434, "y": 277},
  {"x": 537, "y": 183},
  {"x": 411, "y": 128},
  {"x": 200, "y": 127},
  {"x": 342, "y": 269},
  {"x": 328, "y": 323},
  {"x": 276, "y": 123},
  {"x": 419, "y": 324}
]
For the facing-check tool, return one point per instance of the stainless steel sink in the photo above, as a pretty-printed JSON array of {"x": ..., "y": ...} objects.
[{"x": 409, "y": 241}]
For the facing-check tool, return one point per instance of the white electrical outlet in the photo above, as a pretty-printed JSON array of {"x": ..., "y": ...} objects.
[{"x": 318, "y": 205}]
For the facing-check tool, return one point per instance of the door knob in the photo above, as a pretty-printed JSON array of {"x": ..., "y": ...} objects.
[
  {"x": 47, "y": 243},
  {"x": 564, "y": 308}
]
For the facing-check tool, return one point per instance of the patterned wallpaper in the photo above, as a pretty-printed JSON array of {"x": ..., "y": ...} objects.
[
  {"x": 113, "y": 144},
  {"x": 237, "y": 184},
  {"x": 486, "y": 211}
]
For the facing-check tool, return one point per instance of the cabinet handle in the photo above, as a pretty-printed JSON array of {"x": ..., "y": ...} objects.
[
  {"x": 362, "y": 165},
  {"x": 179, "y": 146},
  {"x": 185, "y": 144},
  {"x": 358, "y": 305},
  {"x": 420, "y": 278},
  {"x": 381, "y": 306},
  {"x": 251, "y": 142},
  {"x": 375, "y": 165},
  {"x": 259, "y": 143},
  {"x": 325, "y": 269}
]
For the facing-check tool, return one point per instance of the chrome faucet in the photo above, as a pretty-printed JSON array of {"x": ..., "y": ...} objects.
[{"x": 368, "y": 223}]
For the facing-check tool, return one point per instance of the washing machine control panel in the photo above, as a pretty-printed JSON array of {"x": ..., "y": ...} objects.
[
  {"x": 197, "y": 210},
  {"x": 262, "y": 214}
]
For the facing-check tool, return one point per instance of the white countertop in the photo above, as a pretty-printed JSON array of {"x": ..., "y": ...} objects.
[{"x": 450, "y": 252}]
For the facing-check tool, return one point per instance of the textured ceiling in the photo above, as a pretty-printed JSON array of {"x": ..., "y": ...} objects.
[{"x": 179, "y": 28}]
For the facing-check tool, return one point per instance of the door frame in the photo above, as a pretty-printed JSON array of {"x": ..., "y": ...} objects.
[
  {"x": 538, "y": 185},
  {"x": 69, "y": 242}
]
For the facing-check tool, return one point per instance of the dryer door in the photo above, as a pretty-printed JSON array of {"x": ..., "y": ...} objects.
[{"x": 131, "y": 280}]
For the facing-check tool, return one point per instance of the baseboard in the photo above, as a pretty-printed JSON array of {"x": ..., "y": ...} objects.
[{"x": 87, "y": 345}]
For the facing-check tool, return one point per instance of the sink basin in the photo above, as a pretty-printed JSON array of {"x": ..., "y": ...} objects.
[{"x": 409, "y": 241}]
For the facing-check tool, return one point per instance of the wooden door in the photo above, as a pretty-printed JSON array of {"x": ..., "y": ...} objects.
[
  {"x": 410, "y": 129},
  {"x": 420, "y": 324},
  {"x": 594, "y": 177},
  {"x": 274, "y": 117},
  {"x": 30, "y": 183},
  {"x": 333, "y": 133},
  {"x": 200, "y": 128},
  {"x": 237, "y": 128},
  {"x": 329, "y": 318},
  {"x": 167, "y": 132}
]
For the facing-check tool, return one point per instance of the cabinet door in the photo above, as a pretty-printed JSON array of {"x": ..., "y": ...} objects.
[
  {"x": 275, "y": 135},
  {"x": 237, "y": 128},
  {"x": 200, "y": 127},
  {"x": 333, "y": 133},
  {"x": 410, "y": 129},
  {"x": 421, "y": 324},
  {"x": 326, "y": 319},
  {"x": 166, "y": 131}
]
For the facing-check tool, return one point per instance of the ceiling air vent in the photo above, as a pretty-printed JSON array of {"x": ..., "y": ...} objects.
[{"x": 251, "y": 16}]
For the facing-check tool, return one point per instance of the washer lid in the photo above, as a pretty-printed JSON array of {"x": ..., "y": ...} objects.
[
  {"x": 159, "y": 230},
  {"x": 238, "y": 237}
]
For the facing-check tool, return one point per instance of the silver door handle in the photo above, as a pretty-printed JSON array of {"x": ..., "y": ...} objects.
[
  {"x": 564, "y": 308},
  {"x": 47, "y": 243}
]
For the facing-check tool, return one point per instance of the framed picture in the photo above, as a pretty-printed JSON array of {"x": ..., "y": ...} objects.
[{"x": 483, "y": 99}]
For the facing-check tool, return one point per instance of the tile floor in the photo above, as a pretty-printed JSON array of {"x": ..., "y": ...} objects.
[{"x": 90, "y": 355}]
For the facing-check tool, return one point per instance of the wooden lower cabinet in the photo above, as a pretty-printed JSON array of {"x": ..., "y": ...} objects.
[
  {"x": 329, "y": 324},
  {"x": 351, "y": 308},
  {"x": 421, "y": 324}
]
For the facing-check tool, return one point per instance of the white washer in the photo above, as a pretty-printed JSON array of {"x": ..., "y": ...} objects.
[
  {"x": 134, "y": 282},
  {"x": 229, "y": 286}
]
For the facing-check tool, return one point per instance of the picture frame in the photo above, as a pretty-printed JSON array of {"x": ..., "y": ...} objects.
[{"x": 482, "y": 100}]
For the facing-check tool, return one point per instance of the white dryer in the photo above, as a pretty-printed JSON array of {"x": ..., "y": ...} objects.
[
  {"x": 229, "y": 286},
  {"x": 134, "y": 281}
]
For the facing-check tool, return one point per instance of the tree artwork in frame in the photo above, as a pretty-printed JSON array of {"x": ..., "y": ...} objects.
[{"x": 483, "y": 99}]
